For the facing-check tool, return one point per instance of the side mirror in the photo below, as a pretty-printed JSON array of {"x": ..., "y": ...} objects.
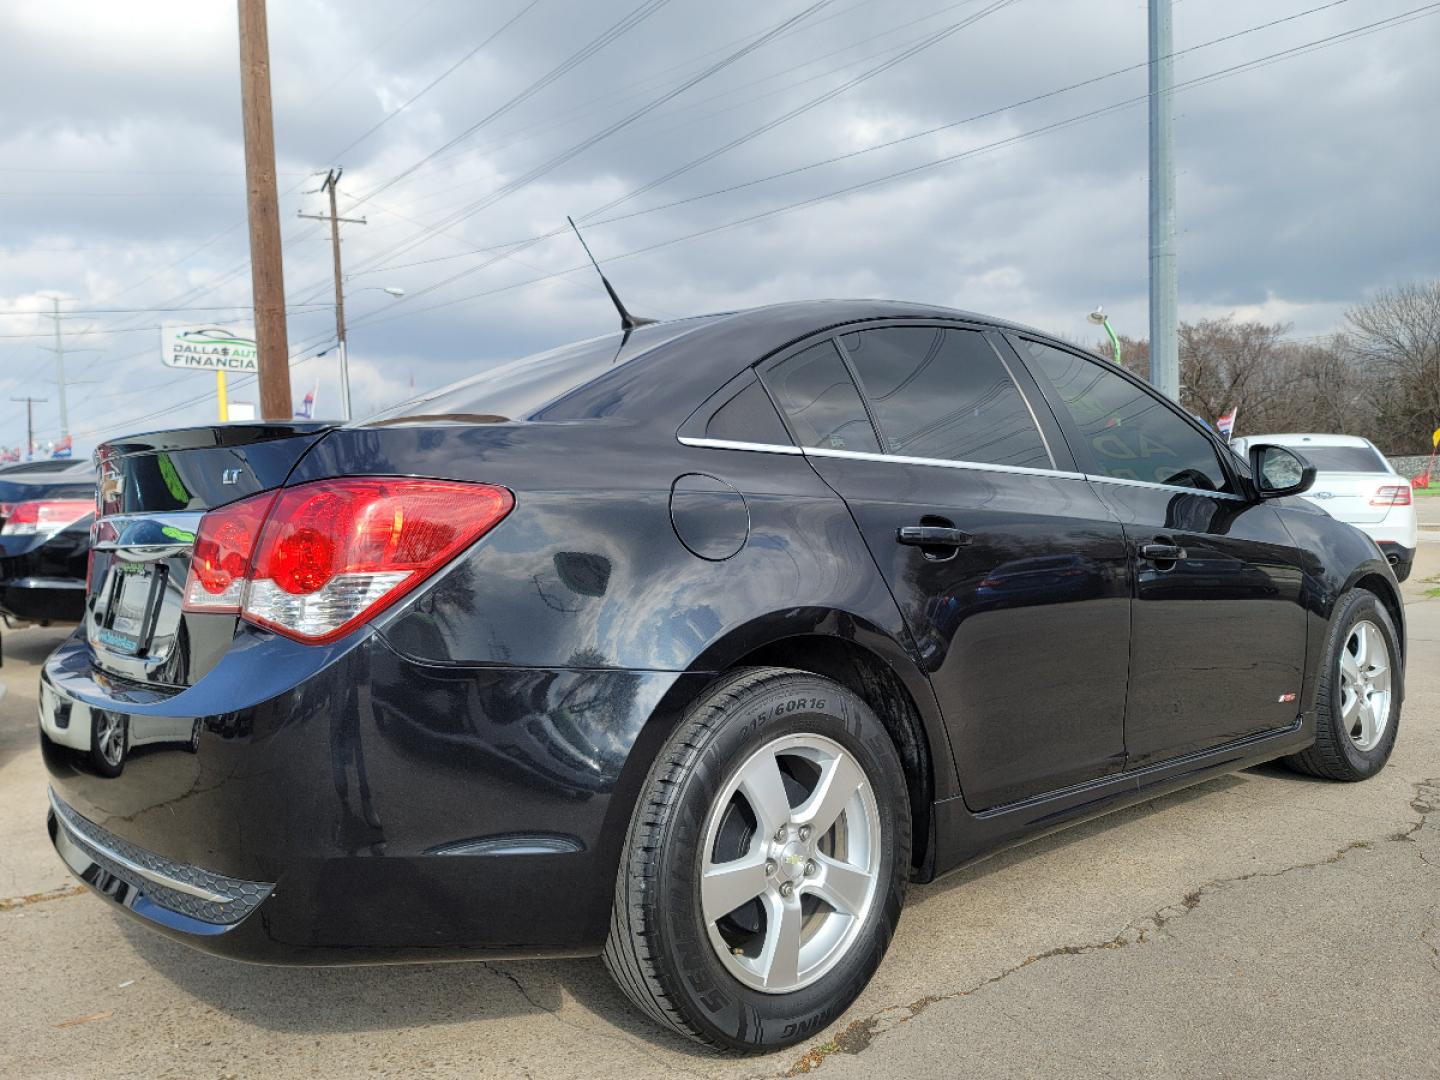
[{"x": 1279, "y": 471}]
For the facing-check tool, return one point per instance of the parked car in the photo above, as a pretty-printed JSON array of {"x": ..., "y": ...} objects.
[
  {"x": 1354, "y": 482},
  {"x": 45, "y": 465},
  {"x": 44, "y": 543},
  {"x": 689, "y": 646}
]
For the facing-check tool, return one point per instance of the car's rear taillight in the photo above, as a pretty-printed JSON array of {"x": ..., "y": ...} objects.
[
  {"x": 316, "y": 560},
  {"x": 1392, "y": 495},
  {"x": 45, "y": 517},
  {"x": 220, "y": 560}
]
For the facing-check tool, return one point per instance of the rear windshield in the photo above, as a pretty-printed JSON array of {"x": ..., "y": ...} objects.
[
  {"x": 524, "y": 389},
  {"x": 1344, "y": 459}
]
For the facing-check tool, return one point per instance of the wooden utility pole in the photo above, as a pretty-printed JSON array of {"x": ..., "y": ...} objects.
[
  {"x": 29, "y": 423},
  {"x": 267, "y": 270},
  {"x": 332, "y": 182}
]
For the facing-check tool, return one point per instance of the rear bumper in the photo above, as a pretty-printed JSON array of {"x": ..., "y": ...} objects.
[
  {"x": 1400, "y": 527},
  {"x": 1400, "y": 557},
  {"x": 42, "y": 579},
  {"x": 374, "y": 809},
  {"x": 43, "y": 599}
]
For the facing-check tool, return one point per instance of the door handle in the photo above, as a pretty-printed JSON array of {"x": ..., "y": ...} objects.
[
  {"x": 1162, "y": 552},
  {"x": 932, "y": 536}
]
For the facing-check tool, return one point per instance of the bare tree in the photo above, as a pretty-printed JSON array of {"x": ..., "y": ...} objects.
[{"x": 1396, "y": 337}]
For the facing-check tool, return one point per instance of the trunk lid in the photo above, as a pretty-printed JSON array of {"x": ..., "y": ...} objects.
[
  {"x": 1346, "y": 496},
  {"x": 152, "y": 491}
]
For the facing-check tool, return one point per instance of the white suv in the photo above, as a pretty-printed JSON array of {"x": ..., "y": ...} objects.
[{"x": 1354, "y": 483}]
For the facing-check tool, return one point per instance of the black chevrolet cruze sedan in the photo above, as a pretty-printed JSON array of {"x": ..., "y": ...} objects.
[
  {"x": 45, "y": 516},
  {"x": 690, "y": 646}
]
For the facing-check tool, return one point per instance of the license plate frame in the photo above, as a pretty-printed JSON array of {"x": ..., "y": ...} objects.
[{"x": 131, "y": 607}]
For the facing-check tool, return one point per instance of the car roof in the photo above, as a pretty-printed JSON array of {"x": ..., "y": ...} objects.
[
  {"x": 46, "y": 465},
  {"x": 662, "y": 371}
]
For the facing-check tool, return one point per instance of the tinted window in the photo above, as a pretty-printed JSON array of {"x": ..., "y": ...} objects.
[
  {"x": 748, "y": 417},
  {"x": 944, "y": 394},
  {"x": 814, "y": 390},
  {"x": 1342, "y": 458},
  {"x": 1130, "y": 432}
]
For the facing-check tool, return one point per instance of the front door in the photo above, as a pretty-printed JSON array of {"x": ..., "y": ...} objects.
[
  {"x": 1217, "y": 644},
  {"x": 1012, "y": 574}
]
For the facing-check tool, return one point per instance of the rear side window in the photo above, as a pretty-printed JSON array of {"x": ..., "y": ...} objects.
[
  {"x": 944, "y": 394},
  {"x": 816, "y": 393},
  {"x": 1342, "y": 458},
  {"x": 1130, "y": 432},
  {"x": 749, "y": 417}
]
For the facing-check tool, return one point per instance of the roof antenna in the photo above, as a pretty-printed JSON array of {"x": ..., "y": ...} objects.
[{"x": 628, "y": 322}]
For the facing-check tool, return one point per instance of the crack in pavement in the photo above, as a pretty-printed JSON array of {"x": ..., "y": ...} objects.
[
  {"x": 10, "y": 903},
  {"x": 856, "y": 1036},
  {"x": 554, "y": 1014}
]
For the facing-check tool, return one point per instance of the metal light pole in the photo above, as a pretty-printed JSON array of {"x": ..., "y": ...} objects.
[
  {"x": 1099, "y": 317},
  {"x": 389, "y": 290},
  {"x": 1164, "y": 342}
]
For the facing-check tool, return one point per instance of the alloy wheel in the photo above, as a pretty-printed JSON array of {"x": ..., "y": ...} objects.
[
  {"x": 1365, "y": 679},
  {"x": 791, "y": 862},
  {"x": 110, "y": 735}
]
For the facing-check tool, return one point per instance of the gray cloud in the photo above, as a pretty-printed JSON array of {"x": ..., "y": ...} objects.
[{"x": 1304, "y": 185}]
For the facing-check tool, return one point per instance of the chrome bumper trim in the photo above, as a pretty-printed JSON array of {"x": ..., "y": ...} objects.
[{"x": 62, "y": 813}]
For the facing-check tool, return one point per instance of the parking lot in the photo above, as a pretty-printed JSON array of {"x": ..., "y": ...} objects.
[{"x": 1260, "y": 924}]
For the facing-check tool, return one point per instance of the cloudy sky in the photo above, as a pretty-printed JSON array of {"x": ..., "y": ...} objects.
[{"x": 718, "y": 155}]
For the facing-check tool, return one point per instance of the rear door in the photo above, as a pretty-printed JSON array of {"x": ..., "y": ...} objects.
[
  {"x": 1218, "y": 631},
  {"x": 1010, "y": 572}
]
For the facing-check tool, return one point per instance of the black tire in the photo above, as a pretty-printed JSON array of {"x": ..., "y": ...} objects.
[
  {"x": 101, "y": 763},
  {"x": 1334, "y": 754},
  {"x": 659, "y": 950}
]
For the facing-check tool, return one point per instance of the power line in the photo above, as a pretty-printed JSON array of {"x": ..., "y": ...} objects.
[
  {"x": 929, "y": 40},
  {"x": 433, "y": 82},
  {"x": 526, "y": 242},
  {"x": 1228, "y": 72},
  {"x": 616, "y": 30},
  {"x": 578, "y": 148},
  {"x": 1214, "y": 76},
  {"x": 594, "y": 104}
]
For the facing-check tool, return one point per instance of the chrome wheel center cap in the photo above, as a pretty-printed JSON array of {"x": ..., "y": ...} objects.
[{"x": 792, "y": 860}]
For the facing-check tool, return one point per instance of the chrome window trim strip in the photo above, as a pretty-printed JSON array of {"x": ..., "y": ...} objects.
[
  {"x": 974, "y": 466},
  {"x": 1015, "y": 384},
  {"x": 977, "y": 466},
  {"x": 130, "y": 864},
  {"x": 1127, "y": 482},
  {"x": 731, "y": 444}
]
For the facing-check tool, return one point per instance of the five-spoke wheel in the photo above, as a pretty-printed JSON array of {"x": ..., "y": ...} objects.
[
  {"x": 792, "y": 854},
  {"x": 1365, "y": 685},
  {"x": 766, "y": 862}
]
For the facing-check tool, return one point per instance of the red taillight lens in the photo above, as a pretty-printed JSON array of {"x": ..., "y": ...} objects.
[
  {"x": 45, "y": 517},
  {"x": 1392, "y": 495},
  {"x": 314, "y": 561},
  {"x": 220, "y": 561}
]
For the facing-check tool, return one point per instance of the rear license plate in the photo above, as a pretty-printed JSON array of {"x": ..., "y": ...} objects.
[{"x": 127, "y": 622}]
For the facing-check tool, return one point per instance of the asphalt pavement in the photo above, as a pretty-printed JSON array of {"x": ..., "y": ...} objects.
[{"x": 1262, "y": 924}]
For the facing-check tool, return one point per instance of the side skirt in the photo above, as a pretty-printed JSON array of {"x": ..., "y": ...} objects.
[{"x": 963, "y": 836}]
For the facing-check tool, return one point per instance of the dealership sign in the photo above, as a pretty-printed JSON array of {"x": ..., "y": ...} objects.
[{"x": 209, "y": 348}]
